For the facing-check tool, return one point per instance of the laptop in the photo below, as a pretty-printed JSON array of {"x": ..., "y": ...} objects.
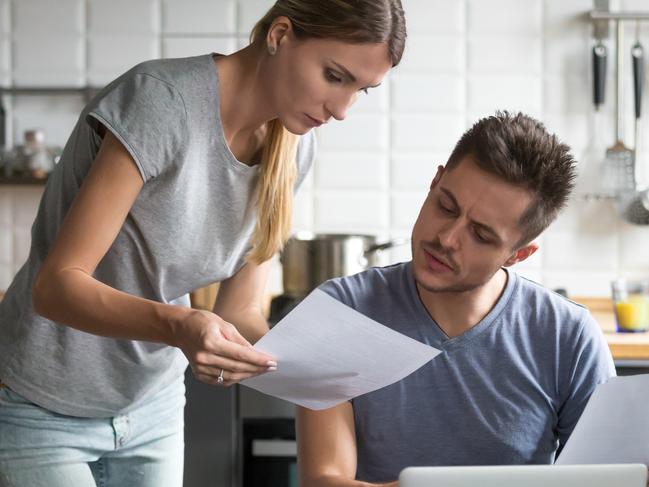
[{"x": 614, "y": 475}]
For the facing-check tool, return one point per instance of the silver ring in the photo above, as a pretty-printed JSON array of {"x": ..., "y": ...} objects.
[{"x": 219, "y": 379}]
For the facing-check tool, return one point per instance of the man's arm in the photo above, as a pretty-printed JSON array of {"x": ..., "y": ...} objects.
[
  {"x": 326, "y": 443},
  {"x": 591, "y": 364}
]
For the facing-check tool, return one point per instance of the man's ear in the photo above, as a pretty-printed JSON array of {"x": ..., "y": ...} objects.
[
  {"x": 278, "y": 32},
  {"x": 521, "y": 254},
  {"x": 438, "y": 176}
]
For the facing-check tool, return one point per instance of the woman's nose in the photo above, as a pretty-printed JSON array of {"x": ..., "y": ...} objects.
[{"x": 339, "y": 106}]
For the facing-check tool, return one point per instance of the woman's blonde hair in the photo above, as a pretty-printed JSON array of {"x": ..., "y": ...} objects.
[{"x": 354, "y": 21}]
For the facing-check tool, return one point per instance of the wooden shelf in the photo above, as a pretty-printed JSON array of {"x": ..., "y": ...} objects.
[
  {"x": 86, "y": 91},
  {"x": 23, "y": 181}
]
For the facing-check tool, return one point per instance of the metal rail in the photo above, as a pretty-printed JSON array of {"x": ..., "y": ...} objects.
[{"x": 605, "y": 15}]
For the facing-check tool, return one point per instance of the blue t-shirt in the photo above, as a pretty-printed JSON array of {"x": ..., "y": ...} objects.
[{"x": 508, "y": 391}]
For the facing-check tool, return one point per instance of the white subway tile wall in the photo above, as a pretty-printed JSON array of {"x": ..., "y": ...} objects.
[
  {"x": 108, "y": 18},
  {"x": 5, "y": 24},
  {"x": 362, "y": 171},
  {"x": 48, "y": 42},
  {"x": 463, "y": 60},
  {"x": 56, "y": 115},
  {"x": 184, "y": 17},
  {"x": 184, "y": 47},
  {"x": 250, "y": 11},
  {"x": 435, "y": 16},
  {"x": 433, "y": 54},
  {"x": 351, "y": 212},
  {"x": 5, "y": 43}
]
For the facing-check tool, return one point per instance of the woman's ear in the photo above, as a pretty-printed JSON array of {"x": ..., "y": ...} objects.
[{"x": 279, "y": 32}]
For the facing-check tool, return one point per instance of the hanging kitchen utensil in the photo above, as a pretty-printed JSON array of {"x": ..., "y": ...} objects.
[
  {"x": 634, "y": 209},
  {"x": 3, "y": 127},
  {"x": 618, "y": 167},
  {"x": 591, "y": 161},
  {"x": 637, "y": 59},
  {"x": 600, "y": 55},
  {"x": 642, "y": 213}
]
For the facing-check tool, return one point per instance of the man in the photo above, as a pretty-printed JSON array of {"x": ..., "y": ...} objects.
[{"x": 519, "y": 362}]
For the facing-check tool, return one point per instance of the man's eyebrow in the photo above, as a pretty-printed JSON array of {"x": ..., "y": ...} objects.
[
  {"x": 482, "y": 226},
  {"x": 348, "y": 73}
]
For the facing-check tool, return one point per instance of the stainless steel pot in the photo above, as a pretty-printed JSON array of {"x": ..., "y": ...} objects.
[{"x": 309, "y": 259}]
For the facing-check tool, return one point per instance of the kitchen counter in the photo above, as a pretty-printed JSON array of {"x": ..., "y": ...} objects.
[
  {"x": 624, "y": 346},
  {"x": 632, "y": 347}
]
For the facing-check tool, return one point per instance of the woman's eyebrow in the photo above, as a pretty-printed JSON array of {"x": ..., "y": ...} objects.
[
  {"x": 345, "y": 71},
  {"x": 348, "y": 73}
]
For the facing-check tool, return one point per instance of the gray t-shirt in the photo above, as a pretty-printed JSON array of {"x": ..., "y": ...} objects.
[
  {"x": 508, "y": 391},
  {"x": 190, "y": 226}
]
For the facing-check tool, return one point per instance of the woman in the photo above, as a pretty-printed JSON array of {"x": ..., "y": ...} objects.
[{"x": 179, "y": 173}]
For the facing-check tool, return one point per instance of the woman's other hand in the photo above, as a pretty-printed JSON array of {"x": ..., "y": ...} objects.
[{"x": 216, "y": 349}]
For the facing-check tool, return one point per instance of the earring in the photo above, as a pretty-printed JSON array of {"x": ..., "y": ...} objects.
[{"x": 271, "y": 49}]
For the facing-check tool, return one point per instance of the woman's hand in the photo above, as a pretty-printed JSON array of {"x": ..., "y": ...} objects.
[{"x": 215, "y": 349}]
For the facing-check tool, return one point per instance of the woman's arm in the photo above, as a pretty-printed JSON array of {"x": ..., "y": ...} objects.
[
  {"x": 66, "y": 292},
  {"x": 326, "y": 442},
  {"x": 240, "y": 300}
]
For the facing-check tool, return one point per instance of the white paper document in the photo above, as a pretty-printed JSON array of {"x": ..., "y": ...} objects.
[
  {"x": 614, "y": 427},
  {"x": 328, "y": 353}
]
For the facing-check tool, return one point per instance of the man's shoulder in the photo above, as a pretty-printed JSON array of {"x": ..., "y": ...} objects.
[
  {"x": 549, "y": 309},
  {"x": 368, "y": 285},
  {"x": 538, "y": 291}
]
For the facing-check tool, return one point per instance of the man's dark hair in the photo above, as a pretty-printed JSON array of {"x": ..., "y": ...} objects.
[{"x": 519, "y": 149}]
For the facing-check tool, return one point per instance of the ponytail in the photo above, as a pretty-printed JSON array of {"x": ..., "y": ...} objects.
[{"x": 274, "y": 192}]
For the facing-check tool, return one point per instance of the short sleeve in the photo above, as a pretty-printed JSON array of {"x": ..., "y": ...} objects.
[
  {"x": 592, "y": 364},
  {"x": 147, "y": 115},
  {"x": 306, "y": 152},
  {"x": 336, "y": 289}
]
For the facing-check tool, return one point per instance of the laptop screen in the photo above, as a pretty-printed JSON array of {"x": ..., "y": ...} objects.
[{"x": 627, "y": 475}]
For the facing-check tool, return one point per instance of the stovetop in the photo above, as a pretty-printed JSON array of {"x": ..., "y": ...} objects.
[{"x": 280, "y": 306}]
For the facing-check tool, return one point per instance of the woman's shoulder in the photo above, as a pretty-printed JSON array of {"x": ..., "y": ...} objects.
[
  {"x": 306, "y": 151},
  {"x": 171, "y": 70}
]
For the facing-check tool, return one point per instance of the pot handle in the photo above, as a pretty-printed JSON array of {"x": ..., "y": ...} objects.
[{"x": 384, "y": 246}]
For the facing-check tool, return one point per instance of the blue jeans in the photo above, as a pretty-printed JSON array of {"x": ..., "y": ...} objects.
[{"x": 142, "y": 448}]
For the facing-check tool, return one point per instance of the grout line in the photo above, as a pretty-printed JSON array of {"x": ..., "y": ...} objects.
[
  {"x": 542, "y": 54},
  {"x": 237, "y": 20},
  {"x": 200, "y": 35},
  {"x": 465, "y": 74},
  {"x": 8, "y": 100},
  {"x": 390, "y": 153},
  {"x": 86, "y": 43},
  {"x": 543, "y": 259},
  {"x": 161, "y": 36}
]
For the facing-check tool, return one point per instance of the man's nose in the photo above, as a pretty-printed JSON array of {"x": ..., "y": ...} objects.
[{"x": 449, "y": 236}]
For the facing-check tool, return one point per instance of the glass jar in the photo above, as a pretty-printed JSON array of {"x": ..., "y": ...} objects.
[
  {"x": 631, "y": 302},
  {"x": 36, "y": 158}
]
